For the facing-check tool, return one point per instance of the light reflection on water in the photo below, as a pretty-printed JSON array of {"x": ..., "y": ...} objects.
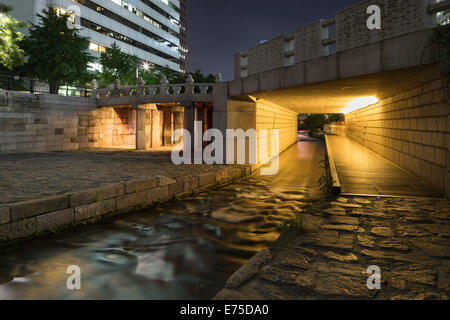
[{"x": 179, "y": 250}]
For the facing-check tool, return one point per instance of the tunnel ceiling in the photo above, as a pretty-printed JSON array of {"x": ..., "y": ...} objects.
[{"x": 335, "y": 96}]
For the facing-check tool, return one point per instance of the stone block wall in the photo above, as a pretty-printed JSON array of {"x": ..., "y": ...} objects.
[
  {"x": 263, "y": 115},
  {"x": 412, "y": 129},
  {"x": 266, "y": 56},
  {"x": 308, "y": 42},
  {"x": 35, "y": 217},
  {"x": 271, "y": 116},
  {"x": 46, "y": 123},
  {"x": 40, "y": 123},
  {"x": 110, "y": 127},
  {"x": 397, "y": 18}
]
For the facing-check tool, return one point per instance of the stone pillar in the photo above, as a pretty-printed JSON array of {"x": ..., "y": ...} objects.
[
  {"x": 178, "y": 121},
  {"x": 220, "y": 110},
  {"x": 189, "y": 121},
  {"x": 167, "y": 127},
  {"x": 141, "y": 134},
  {"x": 156, "y": 129}
]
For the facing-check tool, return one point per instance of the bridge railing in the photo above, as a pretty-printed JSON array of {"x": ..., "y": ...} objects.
[{"x": 164, "y": 89}]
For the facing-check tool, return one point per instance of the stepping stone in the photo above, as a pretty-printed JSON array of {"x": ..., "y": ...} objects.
[
  {"x": 383, "y": 232},
  {"x": 366, "y": 241},
  {"x": 339, "y": 257}
]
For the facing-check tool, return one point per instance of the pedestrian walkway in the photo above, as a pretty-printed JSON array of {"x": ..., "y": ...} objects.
[{"x": 363, "y": 172}]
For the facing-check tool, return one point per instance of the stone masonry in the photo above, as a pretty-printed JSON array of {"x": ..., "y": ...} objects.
[
  {"x": 42, "y": 123},
  {"x": 411, "y": 129},
  {"x": 24, "y": 219},
  {"x": 397, "y": 18},
  {"x": 406, "y": 238}
]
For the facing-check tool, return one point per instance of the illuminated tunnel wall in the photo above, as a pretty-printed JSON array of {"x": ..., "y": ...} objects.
[
  {"x": 411, "y": 129},
  {"x": 264, "y": 115}
]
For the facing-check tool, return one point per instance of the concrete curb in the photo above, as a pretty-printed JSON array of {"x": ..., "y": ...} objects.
[
  {"x": 27, "y": 219},
  {"x": 334, "y": 174}
]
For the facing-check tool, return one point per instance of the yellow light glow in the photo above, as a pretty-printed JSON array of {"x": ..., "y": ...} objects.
[{"x": 359, "y": 103}]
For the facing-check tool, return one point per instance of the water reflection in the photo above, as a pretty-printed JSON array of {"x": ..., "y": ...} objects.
[{"x": 180, "y": 250}]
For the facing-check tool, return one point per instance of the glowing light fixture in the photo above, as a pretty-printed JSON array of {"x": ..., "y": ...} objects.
[
  {"x": 146, "y": 66},
  {"x": 359, "y": 103}
]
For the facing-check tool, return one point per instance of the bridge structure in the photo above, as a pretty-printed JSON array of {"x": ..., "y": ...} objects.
[{"x": 391, "y": 83}]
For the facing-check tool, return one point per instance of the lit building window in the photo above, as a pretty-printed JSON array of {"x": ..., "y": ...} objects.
[{"x": 96, "y": 47}]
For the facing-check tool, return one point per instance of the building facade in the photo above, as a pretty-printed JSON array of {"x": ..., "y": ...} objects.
[
  {"x": 149, "y": 29},
  {"x": 183, "y": 35}
]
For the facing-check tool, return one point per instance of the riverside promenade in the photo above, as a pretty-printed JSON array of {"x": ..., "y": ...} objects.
[
  {"x": 363, "y": 172},
  {"x": 45, "y": 192}
]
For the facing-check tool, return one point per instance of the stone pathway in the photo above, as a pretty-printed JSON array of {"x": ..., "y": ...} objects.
[
  {"x": 31, "y": 176},
  {"x": 408, "y": 239},
  {"x": 362, "y": 171}
]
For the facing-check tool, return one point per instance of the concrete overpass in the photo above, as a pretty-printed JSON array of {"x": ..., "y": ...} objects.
[{"x": 333, "y": 65}]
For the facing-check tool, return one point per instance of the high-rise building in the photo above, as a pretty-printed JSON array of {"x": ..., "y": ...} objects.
[
  {"x": 183, "y": 35},
  {"x": 150, "y": 29}
]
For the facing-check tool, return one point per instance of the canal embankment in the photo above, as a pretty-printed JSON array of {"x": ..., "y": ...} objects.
[{"x": 44, "y": 193}]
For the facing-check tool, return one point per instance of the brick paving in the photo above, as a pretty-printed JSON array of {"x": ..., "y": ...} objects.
[
  {"x": 35, "y": 175},
  {"x": 408, "y": 239}
]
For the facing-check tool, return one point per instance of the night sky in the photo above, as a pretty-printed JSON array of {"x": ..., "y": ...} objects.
[{"x": 220, "y": 28}]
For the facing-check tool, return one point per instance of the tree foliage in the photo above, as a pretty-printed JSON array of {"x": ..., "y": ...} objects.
[
  {"x": 57, "y": 53},
  {"x": 313, "y": 122},
  {"x": 336, "y": 117},
  {"x": 117, "y": 65},
  {"x": 11, "y": 55},
  {"x": 201, "y": 78},
  {"x": 154, "y": 75}
]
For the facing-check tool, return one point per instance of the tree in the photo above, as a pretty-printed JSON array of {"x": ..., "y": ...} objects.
[
  {"x": 336, "y": 117},
  {"x": 57, "y": 53},
  {"x": 11, "y": 55},
  {"x": 200, "y": 78},
  {"x": 154, "y": 75},
  {"x": 314, "y": 122},
  {"x": 117, "y": 65}
]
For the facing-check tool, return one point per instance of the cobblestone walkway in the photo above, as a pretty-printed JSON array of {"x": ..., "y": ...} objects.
[
  {"x": 31, "y": 176},
  {"x": 409, "y": 239}
]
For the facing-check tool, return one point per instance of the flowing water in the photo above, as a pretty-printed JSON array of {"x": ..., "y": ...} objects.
[{"x": 178, "y": 250}]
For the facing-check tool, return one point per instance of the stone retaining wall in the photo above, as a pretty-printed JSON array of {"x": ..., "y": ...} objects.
[
  {"x": 26, "y": 219},
  {"x": 47, "y": 123},
  {"x": 40, "y": 123},
  {"x": 411, "y": 129}
]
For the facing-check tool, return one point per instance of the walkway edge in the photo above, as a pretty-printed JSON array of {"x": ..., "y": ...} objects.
[
  {"x": 27, "y": 219},
  {"x": 334, "y": 174}
]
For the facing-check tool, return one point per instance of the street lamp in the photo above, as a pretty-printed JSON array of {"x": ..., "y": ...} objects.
[{"x": 145, "y": 65}]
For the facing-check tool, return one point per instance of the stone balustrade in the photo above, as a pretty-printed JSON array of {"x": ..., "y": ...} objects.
[{"x": 164, "y": 92}]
